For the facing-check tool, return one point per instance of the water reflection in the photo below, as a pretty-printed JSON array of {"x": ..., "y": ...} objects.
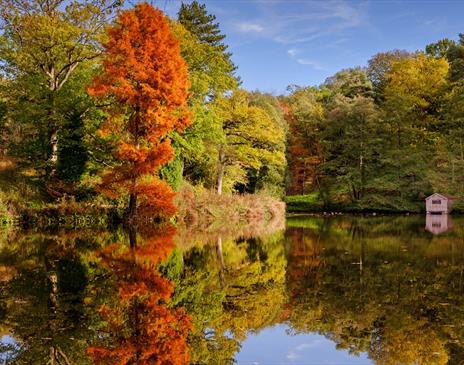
[
  {"x": 366, "y": 290},
  {"x": 45, "y": 284},
  {"x": 90, "y": 297},
  {"x": 140, "y": 327},
  {"x": 403, "y": 307},
  {"x": 438, "y": 223}
]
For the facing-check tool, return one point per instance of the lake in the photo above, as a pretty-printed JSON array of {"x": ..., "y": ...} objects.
[{"x": 321, "y": 290}]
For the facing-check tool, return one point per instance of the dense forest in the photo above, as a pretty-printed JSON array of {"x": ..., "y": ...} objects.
[{"x": 112, "y": 105}]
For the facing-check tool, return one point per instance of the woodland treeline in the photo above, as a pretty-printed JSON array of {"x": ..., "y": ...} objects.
[
  {"x": 99, "y": 103},
  {"x": 384, "y": 136}
]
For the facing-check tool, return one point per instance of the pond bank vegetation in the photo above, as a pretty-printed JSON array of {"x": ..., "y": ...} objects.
[{"x": 93, "y": 142}]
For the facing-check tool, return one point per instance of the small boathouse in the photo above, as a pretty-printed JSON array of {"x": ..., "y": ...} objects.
[{"x": 439, "y": 204}]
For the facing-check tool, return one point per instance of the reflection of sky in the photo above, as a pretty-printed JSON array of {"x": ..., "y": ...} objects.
[
  {"x": 274, "y": 346},
  {"x": 9, "y": 349}
]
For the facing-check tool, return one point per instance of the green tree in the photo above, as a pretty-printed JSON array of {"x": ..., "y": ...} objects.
[
  {"x": 440, "y": 49},
  {"x": 351, "y": 145},
  {"x": 195, "y": 18},
  {"x": 42, "y": 45},
  {"x": 379, "y": 65},
  {"x": 209, "y": 76},
  {"x": 251, "y": 140},
  {"x": 455, "y": 56},
  {"x": 350, "y": 83},
  {"x": 305, "y": 118},
  {"x": 212, "y": 75}
]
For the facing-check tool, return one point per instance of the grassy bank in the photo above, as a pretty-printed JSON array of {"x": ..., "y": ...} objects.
[
  {"x": 313, "y": 203},
  {"x": 204, "y": 217},
  {"x": 202, "y": 207},
  {"x": 24, "y": 200}
]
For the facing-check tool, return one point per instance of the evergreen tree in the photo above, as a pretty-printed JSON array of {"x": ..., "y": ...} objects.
[{"x": 195, "y": 18}]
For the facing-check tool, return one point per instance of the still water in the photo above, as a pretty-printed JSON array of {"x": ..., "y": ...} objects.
[{"x": 339, "y": 290}]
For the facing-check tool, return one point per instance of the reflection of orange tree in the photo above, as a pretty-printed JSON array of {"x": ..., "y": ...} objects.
[{"x": 143, "y": 329}]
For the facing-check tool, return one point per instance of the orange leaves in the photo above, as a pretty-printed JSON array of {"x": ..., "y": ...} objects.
[
  {"x": 146, "y": 80},
  {"x": 142, "y": 67},
  {"x": 145, "y": 159},
  {"x": 156, "y": 196}
]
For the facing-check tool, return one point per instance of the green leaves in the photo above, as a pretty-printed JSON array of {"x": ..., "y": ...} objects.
[{"x": 252, "y": 138}]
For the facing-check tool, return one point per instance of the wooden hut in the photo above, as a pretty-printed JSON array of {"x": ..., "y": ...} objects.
[{"x": 439, "y": 204}]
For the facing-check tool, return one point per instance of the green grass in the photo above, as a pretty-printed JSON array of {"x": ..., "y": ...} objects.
[
  {"x": 312, "y": 203},
  {"x": 304, "y": 203}
]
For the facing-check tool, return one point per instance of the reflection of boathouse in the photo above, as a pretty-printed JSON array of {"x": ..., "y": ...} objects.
[
  {"x": 438, "y": 223},
  {"x": 439, "y": 204}
]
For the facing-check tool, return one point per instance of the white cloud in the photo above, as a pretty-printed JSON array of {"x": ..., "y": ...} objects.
[
  {"x": 295, "y": 353},
  {"x": 294, "y": 52},
  {"x": 292, "y": 355},
  {"x": 304, "y": 61},
  {"x": 280, "y": 22},
  {"x": 315, "y": 343},
  {"x": 250, "y": 27}
]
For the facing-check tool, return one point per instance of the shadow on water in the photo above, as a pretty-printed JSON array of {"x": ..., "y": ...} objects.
[{"x": 382, "y": 288}]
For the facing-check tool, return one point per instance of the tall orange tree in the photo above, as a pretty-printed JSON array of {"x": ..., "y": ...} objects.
[{"x": 145, "y": 79}]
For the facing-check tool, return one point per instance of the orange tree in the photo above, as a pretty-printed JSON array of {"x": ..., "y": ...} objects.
[{"x": 145, "y": 80}]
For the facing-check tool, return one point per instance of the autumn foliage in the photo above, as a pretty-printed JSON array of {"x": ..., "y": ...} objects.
[
  {"x": 144, "y": 328},
  {"x": 303, "y": 158},
  {"x": 145, "y": 80}
]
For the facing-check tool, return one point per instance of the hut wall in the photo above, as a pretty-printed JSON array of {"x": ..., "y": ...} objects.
[{"x": 438, "y": 204}]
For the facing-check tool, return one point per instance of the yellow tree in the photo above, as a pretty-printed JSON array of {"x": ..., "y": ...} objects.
[
  {"x": 251, "y": 139},
  {"x": 414, "y": 92},
  {"x": 414, "y": 96}
]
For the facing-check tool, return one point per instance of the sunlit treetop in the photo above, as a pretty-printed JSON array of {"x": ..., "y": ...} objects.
[{"x": 143, "y": 71}]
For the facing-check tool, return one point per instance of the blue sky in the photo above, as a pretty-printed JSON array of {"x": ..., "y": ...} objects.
[{"x": 276, "y": 43}]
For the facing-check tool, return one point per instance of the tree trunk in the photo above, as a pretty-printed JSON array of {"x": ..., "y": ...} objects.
[
  {"x": 220, "y": 171},
  {"x": 132, "y": 206},
  {"x": 220, "y": 257},
  {"x": 52, "y": 278},
  {"x": 53, "y": 139},
  {"x": 53, "y": 158},
  {"x": 304, "y": 178},
  {"x": 361, "y": 172},
  {"x": 461, "y": 149},
  {"x": 354, "y": 192},
  {"x": 132, "y": 237}
]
